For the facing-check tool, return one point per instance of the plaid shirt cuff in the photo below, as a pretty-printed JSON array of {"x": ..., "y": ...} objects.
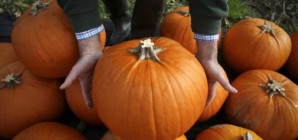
[
  {"x": 89, "y": 33},
  {"x": 207, "y": 38}
]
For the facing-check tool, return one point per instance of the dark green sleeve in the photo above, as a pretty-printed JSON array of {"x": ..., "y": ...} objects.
[
  {"x": 83, "y": 14},
  {"x": 206, "y": 15}
]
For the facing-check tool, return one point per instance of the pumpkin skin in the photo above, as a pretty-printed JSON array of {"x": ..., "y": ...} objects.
[
  {"x": 76, "y": 103},
  {"x": 49, "y": 131},
  {"x": 123, "y": 87},
  {"x": 111, "y": 136},
  {"x": 36, "y": 100},
  {"x": 225, "y": 132},
  {"x": 45, "y": 43},
  {"x": 291, "y": 65},
  {"x": 272, "y": 118},
  {"x": 217, "y": 102},
  {"x": 106, "y": 48},
  {"x": 245, "y": 48},
  {"x": 178, "y": 27},
  {"x": 7, "y": 54}
]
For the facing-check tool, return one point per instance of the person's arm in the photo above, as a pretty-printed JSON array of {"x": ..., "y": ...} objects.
[
  {"x": 86, "y": 23},
  {"x": 206, "y": 16}
]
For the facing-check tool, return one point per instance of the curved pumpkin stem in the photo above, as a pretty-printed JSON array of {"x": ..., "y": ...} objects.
[
  {"x": 11, "y": 80},
  {"x": 146, "y": 50},
  {"x": 38, "y": 6},
  {"x": 268, "y": 28},
  {"x": 184, "y": 13},
  {"x": 274, "y": 88},
  {"x": 247, "y": 136}
]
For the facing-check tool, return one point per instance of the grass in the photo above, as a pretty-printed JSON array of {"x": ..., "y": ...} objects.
[{"x": 237, "y": 11}]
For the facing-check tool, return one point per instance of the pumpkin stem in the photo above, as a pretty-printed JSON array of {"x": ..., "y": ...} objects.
[
  {"x": 38, "y": 6},
  {"x": 268, "y": 28},
  {"x": 11, "y": 80},
  {"x": 273, "y": 88},
  {"x": 247, "y": 136},
  {"x": 146, "y": 50},
  {"x": 184, "y": 13}
]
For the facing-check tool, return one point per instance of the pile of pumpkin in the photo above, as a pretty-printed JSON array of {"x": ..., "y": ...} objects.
[{"x": 149, "y": 89}]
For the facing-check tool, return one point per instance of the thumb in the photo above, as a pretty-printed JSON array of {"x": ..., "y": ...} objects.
[
  {"x": 212, "y": 85},
  {"x": 86, "y": 91},
  {"x": 72, "y": 76}
]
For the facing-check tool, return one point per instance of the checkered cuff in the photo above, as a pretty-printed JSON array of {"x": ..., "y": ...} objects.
[
  {"x": 207, "y": 38},
  {"x": 89, "y": 33}
]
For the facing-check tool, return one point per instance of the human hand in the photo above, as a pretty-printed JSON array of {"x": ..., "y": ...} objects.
[
  {"x": 90, "y": 52},
  {"x": 207, "y": 56}
]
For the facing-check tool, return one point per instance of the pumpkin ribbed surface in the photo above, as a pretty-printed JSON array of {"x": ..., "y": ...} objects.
[
  {"x": 226, "y": 132},
  {"x": 291, "y": 66},
  {"x": 247, "y": 46},
  {"x": 49, "y": 131},
  {"x": 45, "y": 43},
  {"x": 34, "y": 100},
  {"x": 266, "y": 103},
  {"x": 7, "y": 54},
  {"x": 111, "y": 136},
  {"x": 148, "y": 99}
]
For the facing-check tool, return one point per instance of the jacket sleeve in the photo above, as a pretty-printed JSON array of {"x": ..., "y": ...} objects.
[
  {"x": 206, "y": 15},
  {"x": 83, "y": 14}
]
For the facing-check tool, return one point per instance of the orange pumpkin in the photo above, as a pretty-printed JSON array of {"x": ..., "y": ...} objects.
[
  {"x": 226, "y": 132},
  {"x": 44, "y": 41},
  {"x": 217, "y": 102},
  {"x": 177, "y": 26},
  {"x": 76, "y": 103},
  {"x": 291, "y": 65},
  {"x": 106, "y": 48},
  {"x": 157, "y": 95},
  {"x": 26, "y": 99},
  {"x": 111, "y": 136},
  {"x": 49, "y": 131},
  {"x": 7, "y": 54},
  {"x": 266, "y": 103},
  {"x": 256, "y": 44}
]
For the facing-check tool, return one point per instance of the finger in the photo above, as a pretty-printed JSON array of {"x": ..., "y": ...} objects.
[
  {"x": 86, "y": 91},
  {"x": 211, "y": 92},
  {"x": 72, "y": 76},
  {"x": 225, "y": 83}
]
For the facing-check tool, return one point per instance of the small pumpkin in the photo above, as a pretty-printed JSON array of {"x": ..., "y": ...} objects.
[
  {"x": 217, "y": 102},
  {"x": 7, "y": 54},
  {"x": 266, "y": 103},
  {"x": 227, "y": 132},
  {"x": 177, "y": 26},
  {"x": 76, "y": 103},
  {"x": 111, "y": 136},
  {"x": 291, "y": 66},
  {"x": 256, "y": 44},
  {"x": 50, "y": 131},
  {"x": 44, "y": 41},
  {"x": 26, "y": 99},
  {"x": 149, "y": 89}
]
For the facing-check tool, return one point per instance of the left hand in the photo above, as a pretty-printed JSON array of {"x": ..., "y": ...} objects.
[{"x": 207, "y": 56}]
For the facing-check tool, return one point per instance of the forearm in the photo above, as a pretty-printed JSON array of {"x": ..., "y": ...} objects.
[
  {"x": 83, "y": 14},
  {"x": 206, "y": 15}
]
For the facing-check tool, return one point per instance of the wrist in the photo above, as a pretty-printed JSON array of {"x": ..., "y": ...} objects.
[
  {"x": 90, "y": 46},
  {"x": 207, "y": 51}
]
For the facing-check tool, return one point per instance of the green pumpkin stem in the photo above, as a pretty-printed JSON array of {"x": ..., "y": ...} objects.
[
  {"x": 184, "y": 13},
  {"x": 38, "y": 6},
  {"x": 273, "y": 88},
  {"x": 247, "y": 136},
  {"x": 268, "y": 28},
  {"x": 11, "y": 80},
  {"x": 146, "y": 50}
]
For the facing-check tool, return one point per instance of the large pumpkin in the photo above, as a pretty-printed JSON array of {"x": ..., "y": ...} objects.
[
  {"x": 266, "y": 103},
  {"x": 7, "y": 54},
  {"x": 49, "y": 131},
  {"x": 111, "y": 136},
  {"x": 44, "y": 41},
  {"x": 149, "y": 90},
  {"x": 76, "y": 103},
  {"x": 26, "y": 99},
  {"x": 291, "y": 65},
  {"x": 227, "y": 132},
  {"x": 256, "y": 44},
  {"x": 177, "y": 26},
  {"x": 217, "y": 102}
]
